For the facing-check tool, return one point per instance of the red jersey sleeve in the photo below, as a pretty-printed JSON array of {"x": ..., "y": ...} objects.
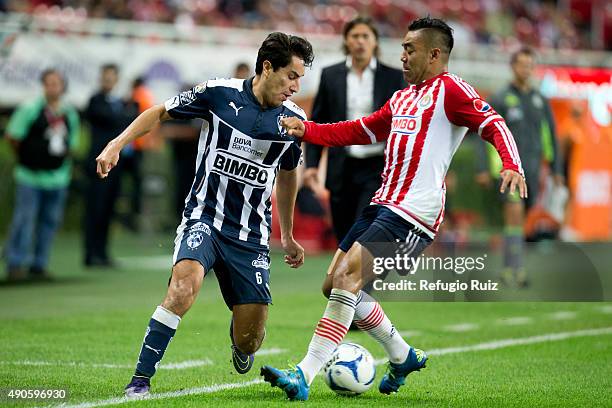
[
  {"x": 367, "y": 130},
  {"x": 464, "y": 107}
]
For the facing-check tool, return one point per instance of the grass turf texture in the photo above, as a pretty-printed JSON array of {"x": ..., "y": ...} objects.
[{"x": 99, "y": 316}]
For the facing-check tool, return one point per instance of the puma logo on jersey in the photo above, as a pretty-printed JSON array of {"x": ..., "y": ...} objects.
[{"x": 233, "y": 105}]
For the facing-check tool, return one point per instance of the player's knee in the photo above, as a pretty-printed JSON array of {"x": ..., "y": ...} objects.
[
  {"x": 348, "y": 276},
  {"x": 183, "y": 288}
]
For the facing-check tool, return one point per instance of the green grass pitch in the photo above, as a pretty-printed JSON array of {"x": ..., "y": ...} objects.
[{"x": 83, "y": 332}]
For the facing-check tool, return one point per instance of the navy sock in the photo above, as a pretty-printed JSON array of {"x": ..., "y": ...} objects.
[{"x": 160, "y": 331}]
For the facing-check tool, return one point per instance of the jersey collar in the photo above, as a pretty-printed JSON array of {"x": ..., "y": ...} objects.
[{"x": 430, "y": 80}]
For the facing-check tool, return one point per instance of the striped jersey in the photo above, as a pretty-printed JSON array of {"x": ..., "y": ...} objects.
[
  {"x": 241, "y": 148},
  {"x": 423, "y": 126}
]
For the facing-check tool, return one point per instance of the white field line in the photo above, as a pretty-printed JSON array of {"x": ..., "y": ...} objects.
[
  {"x": 185, "y": 364},
  {"x": 164, "y": 395},
  {"x": 168, "y": 366},
  {"x": 65, "y": 364},
  {"x": 514, "y": 321},
  {"x": 181, "y": 365},
  {"x": 461, "y": 327},
  {"x": 498, "y": 344},
  {"x": 493, "y": 345},
  {"x": 605, "y": 309},
  {"x": 563, "y": 315}
]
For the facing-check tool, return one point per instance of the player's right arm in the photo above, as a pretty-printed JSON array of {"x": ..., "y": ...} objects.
[
  {"x": 143, "y": 124},
  {"x": 367, "y": 130}
]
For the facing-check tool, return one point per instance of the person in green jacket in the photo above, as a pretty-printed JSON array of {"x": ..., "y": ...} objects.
[
  {"x": 42, "y": 133},
  {"x": 529, "y": 118}
]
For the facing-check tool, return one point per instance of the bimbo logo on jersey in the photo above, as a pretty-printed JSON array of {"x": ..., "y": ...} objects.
[
  {"x": 406, "y": 124},
  {"x": 481, "y": 106},
  {"x": 241, "y": 169}
]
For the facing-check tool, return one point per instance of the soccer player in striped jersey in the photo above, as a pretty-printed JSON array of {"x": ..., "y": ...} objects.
[
  {"x": 423, "y": 126},
  {"x": 242, "y": 150}
]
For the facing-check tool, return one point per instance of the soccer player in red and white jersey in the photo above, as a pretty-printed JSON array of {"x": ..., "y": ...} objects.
[{"x": 423, "y": 126}]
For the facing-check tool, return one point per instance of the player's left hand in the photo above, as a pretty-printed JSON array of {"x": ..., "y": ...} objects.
[
  {"x": 512, "y": 179},
  {"x": 294, "y": 251}
]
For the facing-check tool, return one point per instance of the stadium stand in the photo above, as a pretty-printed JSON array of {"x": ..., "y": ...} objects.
[{"x": 563, "y": 24}]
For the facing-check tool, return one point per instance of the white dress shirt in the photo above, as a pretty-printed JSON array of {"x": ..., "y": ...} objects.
[{"x": 359, "y": 103}]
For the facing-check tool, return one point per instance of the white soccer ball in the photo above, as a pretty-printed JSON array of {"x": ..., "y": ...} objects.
[{"x": 351, "y": 370}]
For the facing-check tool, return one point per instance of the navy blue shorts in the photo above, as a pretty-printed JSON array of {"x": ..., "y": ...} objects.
[
  {"x": 378, "y": 226},
  {"x": 242, "y": 268}
]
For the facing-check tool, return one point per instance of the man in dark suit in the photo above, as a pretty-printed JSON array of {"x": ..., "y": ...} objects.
[
  {"x": 348, "y": 90},
  {"x": 107, "y": 115}
]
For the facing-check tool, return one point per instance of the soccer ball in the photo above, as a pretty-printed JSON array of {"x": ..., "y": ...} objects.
[{"x": 350, "y": 371}]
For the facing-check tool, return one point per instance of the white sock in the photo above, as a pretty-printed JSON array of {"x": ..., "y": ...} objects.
[
  {"x": 330, "y": 331},
  {"x": 370, "y": 318}
]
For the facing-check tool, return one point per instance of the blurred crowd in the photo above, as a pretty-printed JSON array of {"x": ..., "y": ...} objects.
[
  {"x": 45, "y": 134},
  {"x": 568, "y": 24}
]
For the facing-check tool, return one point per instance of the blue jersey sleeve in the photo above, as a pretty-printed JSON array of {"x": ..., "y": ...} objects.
[
  {"x": 190, "y": 104},
  {"x": 292, "y": 157}
]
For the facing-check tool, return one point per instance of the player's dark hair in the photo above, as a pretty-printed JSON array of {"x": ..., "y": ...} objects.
[
  {"x": 522, "y": 51},
  {"x": 443, "y": 33},
  {"x": 278, "y": 48},
  {"x": 354, "y": 22}
]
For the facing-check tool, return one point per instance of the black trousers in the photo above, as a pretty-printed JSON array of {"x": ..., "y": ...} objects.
[
  {"x": 101, "y": 195},
  {"x": 132, "y": 167},
  {"x": 360, "y": 180}
]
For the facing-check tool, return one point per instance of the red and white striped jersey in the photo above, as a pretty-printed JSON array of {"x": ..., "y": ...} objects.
[{"x": 423, "y": 125}]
